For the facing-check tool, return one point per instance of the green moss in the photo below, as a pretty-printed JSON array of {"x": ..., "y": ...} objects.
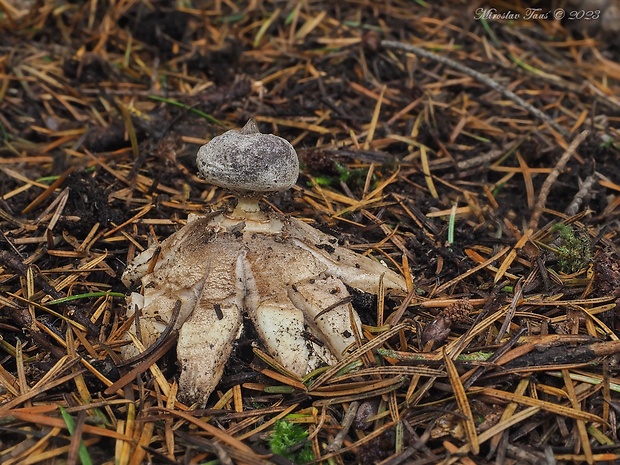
[
  {"x": 574, "y": 250},
  {"x": 287, "y": 439},
  {"x": 356, "y": 178}
]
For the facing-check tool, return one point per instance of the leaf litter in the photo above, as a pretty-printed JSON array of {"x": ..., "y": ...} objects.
[{"x": 479, "y": 158}]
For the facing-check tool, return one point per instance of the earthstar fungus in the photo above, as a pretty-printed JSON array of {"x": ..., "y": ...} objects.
[{"x": 278, "y": 270}]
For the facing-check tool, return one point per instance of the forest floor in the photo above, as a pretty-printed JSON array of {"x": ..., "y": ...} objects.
[{"x": 483, "y": 164}]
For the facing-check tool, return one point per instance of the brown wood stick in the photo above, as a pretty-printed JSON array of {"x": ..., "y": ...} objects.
[{"x": 553, "y": 176}]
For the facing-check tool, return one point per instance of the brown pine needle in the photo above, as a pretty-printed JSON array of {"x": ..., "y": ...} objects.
[{"x": 463, "y": 403}]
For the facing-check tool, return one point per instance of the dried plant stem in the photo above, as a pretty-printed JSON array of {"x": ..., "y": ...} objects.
[
  {"x": 395, "y": 45},
  {"x": 553, "y": 176},
  {"x": 584, "y": 190},
  {"x": 336, "y": 444}
]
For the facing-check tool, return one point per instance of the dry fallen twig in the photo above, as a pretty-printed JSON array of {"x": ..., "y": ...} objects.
[
  {"x": 557, "y": 169},
  {"x": 390, "y": 44}
]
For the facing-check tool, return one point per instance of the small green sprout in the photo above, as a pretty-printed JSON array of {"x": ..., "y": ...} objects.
[
  {"x": 574, "y": 251},
  {"x": 610, "y": 143},
  {"x": 498, "y": 188},
  {"x": 451, "y": 223},
  {"x": 353, "y": 177},
  {"x": 287, "y": 439},
  {"x": 70, "y": 422}
]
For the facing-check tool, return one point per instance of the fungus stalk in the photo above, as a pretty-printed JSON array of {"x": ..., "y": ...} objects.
[{"x": 246, "y": 205}]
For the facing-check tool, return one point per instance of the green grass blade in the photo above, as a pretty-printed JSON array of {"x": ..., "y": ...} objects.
[
  {"x": 195, "y": 111},
  {"x": 70, "y": 422},
  {"x": 451, "y": 223},
  {"x": 86, "y": 295}
]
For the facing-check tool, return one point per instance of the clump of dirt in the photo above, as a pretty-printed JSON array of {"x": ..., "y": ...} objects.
[{"x": 87, "y": 204}]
